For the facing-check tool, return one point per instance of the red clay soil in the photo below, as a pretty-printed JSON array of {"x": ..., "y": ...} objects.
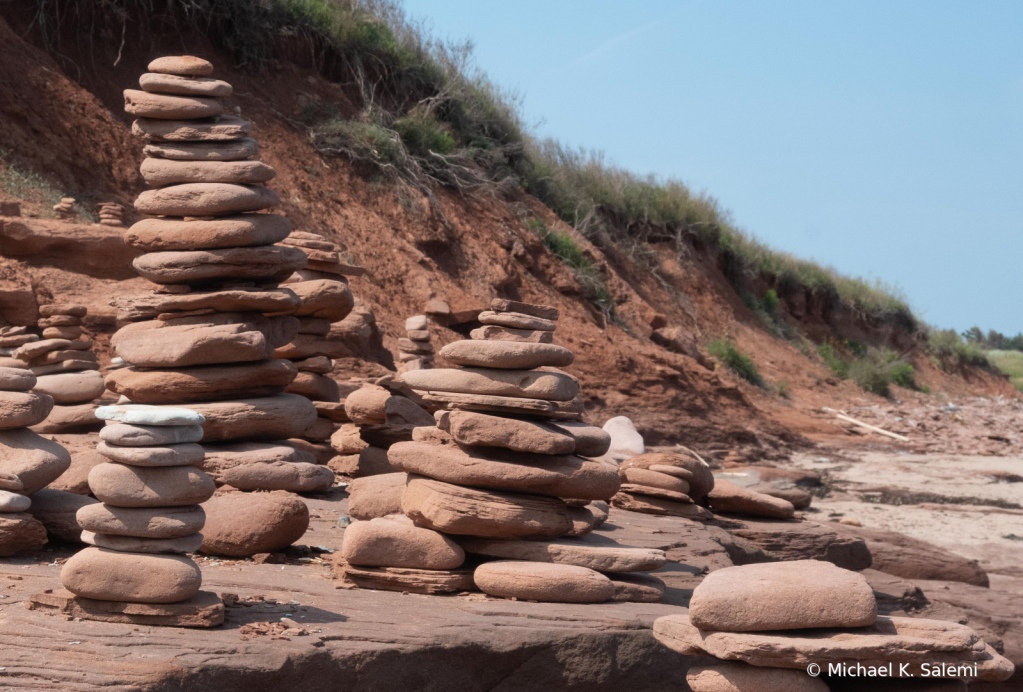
[{"x": 66, "y": 123}]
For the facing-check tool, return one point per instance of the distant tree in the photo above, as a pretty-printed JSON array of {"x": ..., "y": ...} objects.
[{"x": 974, "y": 335}]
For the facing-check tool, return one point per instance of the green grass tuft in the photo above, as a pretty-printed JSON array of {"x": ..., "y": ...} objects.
[
  {"x": 1010, "y": 363},
  {"x": 741, "y": 364}
]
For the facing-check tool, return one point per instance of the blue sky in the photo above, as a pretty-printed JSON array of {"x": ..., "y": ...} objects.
[{"x": 885, "y": 139}]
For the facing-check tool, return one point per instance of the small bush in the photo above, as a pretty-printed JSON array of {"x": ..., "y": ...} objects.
[
  {"x": 784, "y": 391},
  {"x": 739, "y": 363},
  {"x": 902, "y": 374},
  {"x": 838, "y": 365},
  {"x": 951, "y": 348},
  {"x": 569, "y": 252},
  {"x": 771, "y": 301},
  {"x": 423, "y": 134},
  {"x": 870, "y": 376}
]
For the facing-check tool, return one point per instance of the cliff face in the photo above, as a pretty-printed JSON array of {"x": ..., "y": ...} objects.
[{"x": 62, "y": 118}]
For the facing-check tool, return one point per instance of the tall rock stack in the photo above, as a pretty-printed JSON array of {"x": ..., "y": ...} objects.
[
  {"x": 415, "y": 352},
  {"x": 769, "y": 622},
  {"x": 111, "y": 213},
  {"x": 148, "y": 518},
  {"x": 66, "y": 369},
  {"x": 326, "y": 299},
  {"x": 65, "y": 209},
  {"x": 502, "y": 475},
  {"x": 28, "y": 462},
  {"x": 206, "y": 336}
]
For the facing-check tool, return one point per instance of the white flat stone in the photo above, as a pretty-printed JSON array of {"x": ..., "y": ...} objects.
[{"x": 137, "y": 414}]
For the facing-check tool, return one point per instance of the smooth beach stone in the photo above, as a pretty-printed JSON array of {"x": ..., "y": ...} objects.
[
  {"x": 205, "y": 199},
  {"x": 416, "y": 322},
  {"x": 153, "y": 416},
  {"x": 376, "y": 496},
  {"x": 295, "y": 477},
  {"x": 159, "y": 172},
  {"x": 170, "y": 107},
  {"x": 76, "y": 478},
  {"x": 223, "y": 128},
  {"x": 158, "y": 83},
  {"x": 655, "y": 479},
  {"x": 465, "y": 511},
  {"x": 315, "y": 387},
  {"x": 395, "y": 541},
  {"x": 471, "y": 428},
  {"x": 59, "y": 321},
  {"x": 654, "y": 491},
  {"x": 213, "y": 339},
  {"x": 782, "y": 596},
  {"x": 23, "y": 409},
  {"x": 202, "y": 383},
  {"x": 121, "y": 485},
  {"x": 13, "y": 502},
  {"x": 130, "y": 435},
  {"x": 16, "y": 380},
  {"x": 187, "y": 454},
  {"x": 73, "y": 387},
  {"x": 367, "y": 405},
  {"x": 237, "y": 150},
  {"x": 267, "y": 262},
  {"x": 741, "y": 677},
  {"x": 536, "y": 384},
  {"x": 36, "y": 461},
  {"x": 69, "y": 333},
  {"x": 497, "y": 469},
  {"x": 243, "y": 524},
  {"x": 63, "y": 309},
  {"x": 569, "y": 551},
  {"x": 65, "y": 366},
  {"x": 516, "y": 320},
  {"x": 133, "y": 308},
  {"x": 727, "y": 496},
  {"x": 244, "y": 230},
  {"x": 182, "y": 65},
  {"x": 585, "y": 519},
  {"x": 493, "y": 332},
  {"x": 39, "y": 348},
  {"x": 637, "y": 587},
  {"x": 545, "y": 312},
  {"x": 506, "y": 354},
  {"x": 141, "y": 522},
  {"x": 61, "y": 356},
  {"x": 543, "y": 581},
  {"x": 590, "y": 441},
  {"x": 110, "y": 575},
  {"x": 325, "y": 298},
  {"x": 277, "y": 417},
  {"x": 132, "y": 544}
]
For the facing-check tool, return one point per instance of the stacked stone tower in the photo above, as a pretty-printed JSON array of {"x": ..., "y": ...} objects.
[
  {"x": 206, "y": 336},
  {"x": 326, "y": 299},
  {"x": 66, "y": 368},
  {"x": 502, "y": 475},
  {"x": 415, "y": 352},
  {"x": 148, "y": 517},
  {"x": 28, "y": 462}
]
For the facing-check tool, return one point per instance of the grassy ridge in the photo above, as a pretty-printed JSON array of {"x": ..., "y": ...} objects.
[
  {"x": 429, "y": 116},
  {"x": 1010, "y": 363}
]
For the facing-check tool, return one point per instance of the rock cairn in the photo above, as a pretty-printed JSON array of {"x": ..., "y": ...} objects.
[
  {"x": 148, "y": 516},
  {"x": 65, "y": 367},
  {"x": 415, "y": 352},
  {"x": 28, "y": 462},
  {"x": 326, "y": 299},
  {"x": 111, "y": 213},
  {"x": 65, "y": 209},
  {"x": 206, "y": 336},
  {"x": 665, "y": 483},
  {"x": 769, "y": 621},
  {"x": 503, "y": 477}
]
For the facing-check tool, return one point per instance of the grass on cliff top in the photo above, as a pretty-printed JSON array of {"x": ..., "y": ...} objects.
[
  {"x": 1010, "y": 363},
  {"x": 431, "y": 116}
]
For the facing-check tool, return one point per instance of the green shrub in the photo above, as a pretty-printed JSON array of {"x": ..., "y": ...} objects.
[
  {"x": 838, "y": 365},
  {"x": 423, "y": 134},
  {"x": 951, "y": 348},
  {"x": 870, "y": 376},
  {"x": 771, "y": 301},
  {"x": 739, "y": 363},
  {"x": 901, "y": 373}
]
